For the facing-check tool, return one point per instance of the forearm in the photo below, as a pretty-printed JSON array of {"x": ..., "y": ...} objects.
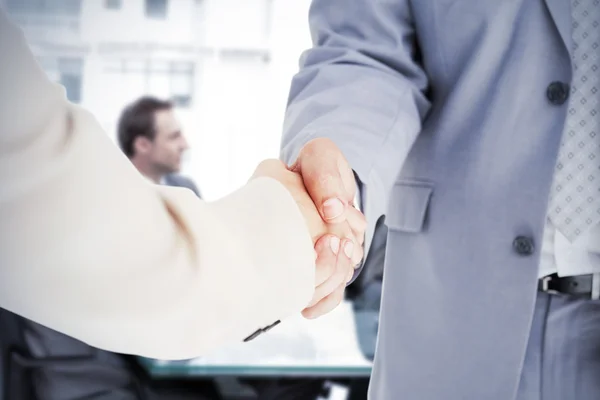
[
  {"x": 361, "y": 87},
  {"x": 363, "y": 90},
  {"x": 89, "y": 248}
]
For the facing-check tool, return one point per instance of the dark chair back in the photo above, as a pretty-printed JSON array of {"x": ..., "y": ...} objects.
[
  {"x": 16, "y": 383},
  {"x": 57, "y": 375}
]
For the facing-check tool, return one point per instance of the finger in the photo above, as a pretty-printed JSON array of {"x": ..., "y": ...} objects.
[
  {"x": 355, "y": 249},
  {"x": 327, "y": 249},
  {"x": 326, "y": 177},
  {"x": 358, "y": 224},
  {"x": 341, "y": 275},
  {"x": 326, "y": 305},
  {"x": 353, "y": 252}
]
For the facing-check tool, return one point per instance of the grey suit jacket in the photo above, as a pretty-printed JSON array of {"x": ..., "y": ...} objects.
[
  {"x": 181, "y": 181},
  {"x": 447, "y": 111}
]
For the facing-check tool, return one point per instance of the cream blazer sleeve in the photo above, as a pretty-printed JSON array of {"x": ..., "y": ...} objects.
[{"x": 89, "y": 248}]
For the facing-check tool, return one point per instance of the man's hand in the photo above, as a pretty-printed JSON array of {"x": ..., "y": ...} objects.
[
  {"x": 330, "y": 182},
  {"x": 334, "y": 243}
]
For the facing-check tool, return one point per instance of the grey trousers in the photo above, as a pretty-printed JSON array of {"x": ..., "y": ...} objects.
[{"x": 562, "y": 360}]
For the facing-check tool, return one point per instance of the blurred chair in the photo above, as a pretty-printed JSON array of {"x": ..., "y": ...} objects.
[
  {"x": 39, "y": 363},
  {"x": 73, "y": 376},
  {"x": 15, "y": 382}
]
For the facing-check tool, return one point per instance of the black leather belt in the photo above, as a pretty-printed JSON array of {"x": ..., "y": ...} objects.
[{"x": 580, "y": 285}]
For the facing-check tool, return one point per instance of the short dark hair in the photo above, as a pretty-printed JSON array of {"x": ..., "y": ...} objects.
[{"x": 137, "y": 119}]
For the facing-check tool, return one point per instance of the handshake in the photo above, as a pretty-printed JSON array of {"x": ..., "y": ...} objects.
[{"x": 323, "y": 185}]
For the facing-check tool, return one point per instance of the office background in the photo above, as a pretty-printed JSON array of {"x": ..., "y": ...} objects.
[{"x": 226, "y": 64}]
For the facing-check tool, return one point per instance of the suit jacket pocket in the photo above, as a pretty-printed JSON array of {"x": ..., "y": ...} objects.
[{"x": 408, "y": 207}]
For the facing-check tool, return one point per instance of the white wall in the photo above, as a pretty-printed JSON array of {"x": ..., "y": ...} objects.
[{"x": 237, "y": 23}]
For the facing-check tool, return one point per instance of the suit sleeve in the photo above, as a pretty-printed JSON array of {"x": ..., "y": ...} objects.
[
  {"x": 90, "y": 249},
  {"x": 361, "y": 86}
]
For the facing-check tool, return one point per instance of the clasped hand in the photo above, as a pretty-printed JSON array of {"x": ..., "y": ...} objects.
[{"x": 323, "y": 185}]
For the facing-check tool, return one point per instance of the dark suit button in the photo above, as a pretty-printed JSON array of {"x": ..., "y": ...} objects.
[
  {"x": 523, "y": 245},
  {"x": 557, "y": 93}
]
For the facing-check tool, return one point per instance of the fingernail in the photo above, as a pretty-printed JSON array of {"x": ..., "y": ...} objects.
[
  {"x": 349, "y": 249},
  {"x": 333, "y": 208},
  {"x": 334, "y": 243}
]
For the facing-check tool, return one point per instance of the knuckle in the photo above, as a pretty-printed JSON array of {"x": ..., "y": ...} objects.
[
  {"x": 321, "y": 247},
  {"x": 325, "y": 256},
  {"x": 330, "y": 269}
]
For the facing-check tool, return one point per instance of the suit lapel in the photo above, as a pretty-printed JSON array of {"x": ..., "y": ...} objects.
[{"x": 560, "y": 10}]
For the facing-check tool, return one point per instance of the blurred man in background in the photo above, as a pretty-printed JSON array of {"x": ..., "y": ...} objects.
[{"x": 151, "y": 137}]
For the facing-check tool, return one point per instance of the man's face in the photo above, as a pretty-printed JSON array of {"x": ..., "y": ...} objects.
[{"x": 166, "y": 150}]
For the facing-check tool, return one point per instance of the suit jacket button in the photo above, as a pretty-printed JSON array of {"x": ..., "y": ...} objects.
[
  {"x": 557, "y": 93},
  {"x": 523, "y": 245}
]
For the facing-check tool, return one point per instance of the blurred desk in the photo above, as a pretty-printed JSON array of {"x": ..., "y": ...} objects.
[{"x": 327, "y": 347}]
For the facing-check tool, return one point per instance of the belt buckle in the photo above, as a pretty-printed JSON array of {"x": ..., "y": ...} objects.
[
  {"x": 546, "y": 285},
  {"x": 595, "y": 295}
]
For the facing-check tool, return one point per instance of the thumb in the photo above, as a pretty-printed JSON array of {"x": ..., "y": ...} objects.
[{"x": 322, "y": 167}]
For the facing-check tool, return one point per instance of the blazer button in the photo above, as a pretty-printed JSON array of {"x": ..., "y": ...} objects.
[
  {"x": 557, "y": 93},
  {"x": 523, "y": 245}
]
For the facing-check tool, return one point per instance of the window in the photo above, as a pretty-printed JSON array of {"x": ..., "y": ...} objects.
[
  {"x": 156, "y": 9},
  {"x": 50, "y": 7},
  {"x": 182, "y": 83},
  {"x": 113, "y": 4},
  {"x": 173, "y": 80},
  {"x": 68, "y": 72},
  {"x": 71, "y": 76}
]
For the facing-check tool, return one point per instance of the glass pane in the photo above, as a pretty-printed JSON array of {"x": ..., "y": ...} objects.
[
  {"x": 159, "y": 66},
  {"x": 156, "y": 9},
  {"x": 182, "y": 67},
  {"x": 71, "y": 66},
  {"x": 135, "y": 66},
  {"x": 72, "y": 84},
  {"x": 24, "y": 6},
  {"x": 112, "y": 4},
  {"x": 158, "y": 85},
  {"x": 182, "y": 84},
  {"x": 53, "y": 7},
  {"x": 181, "y": 101},
  {"x": 62, "y": 7}
]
